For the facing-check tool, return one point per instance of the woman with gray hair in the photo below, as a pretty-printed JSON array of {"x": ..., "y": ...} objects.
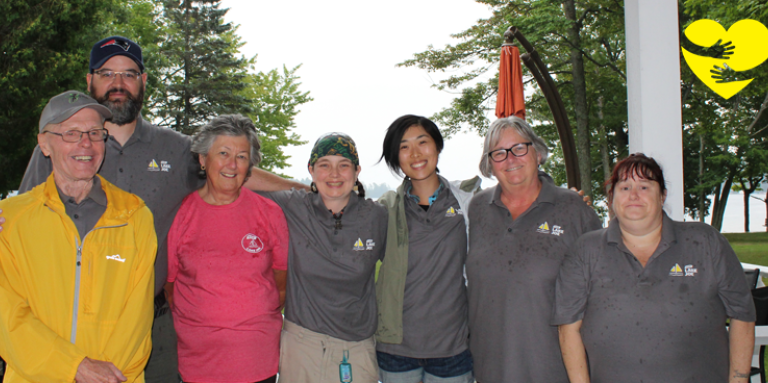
[
  {"x": 518, "y": 233},
  {"x": 227, "y": 261}
]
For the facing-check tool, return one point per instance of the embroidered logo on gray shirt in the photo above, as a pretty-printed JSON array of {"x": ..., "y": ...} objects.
[{"x": 359, "y": 246}]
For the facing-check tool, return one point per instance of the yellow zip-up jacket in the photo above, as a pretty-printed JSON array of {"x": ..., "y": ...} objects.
[{"x": 63, "y": 299}]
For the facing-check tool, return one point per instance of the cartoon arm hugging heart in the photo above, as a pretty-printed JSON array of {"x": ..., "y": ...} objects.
[{"x": 748, "y": 48}]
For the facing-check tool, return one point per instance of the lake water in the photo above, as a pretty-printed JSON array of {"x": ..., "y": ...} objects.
[{"x": 733, "y": 221}]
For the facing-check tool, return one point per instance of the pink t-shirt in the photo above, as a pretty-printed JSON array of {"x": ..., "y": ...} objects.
[{"x": 225, "y": 297}]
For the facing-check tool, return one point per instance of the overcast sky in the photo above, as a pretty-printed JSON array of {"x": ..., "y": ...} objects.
[{"x": 349, "y": 50}]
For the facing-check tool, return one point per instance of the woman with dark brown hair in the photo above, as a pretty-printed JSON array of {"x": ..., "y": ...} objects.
[{"x": 648, "y": 298}]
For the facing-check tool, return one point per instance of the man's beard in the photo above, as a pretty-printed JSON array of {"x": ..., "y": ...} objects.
[{"x": 123, "y": 111}]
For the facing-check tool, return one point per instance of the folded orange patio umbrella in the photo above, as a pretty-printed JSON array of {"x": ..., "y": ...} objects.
[{"x": 510, "y": 99}]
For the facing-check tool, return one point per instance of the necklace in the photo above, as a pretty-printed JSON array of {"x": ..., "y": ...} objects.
[{"x": 337, "y": 217}]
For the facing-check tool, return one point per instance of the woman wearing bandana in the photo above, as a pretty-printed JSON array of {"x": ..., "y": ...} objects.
[{"x": 336, "y": 238}]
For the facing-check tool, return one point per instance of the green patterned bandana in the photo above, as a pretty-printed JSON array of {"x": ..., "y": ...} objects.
[{"x": 334, "y": 144}]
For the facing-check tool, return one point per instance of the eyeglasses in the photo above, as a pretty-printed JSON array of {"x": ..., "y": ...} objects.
[
  {"x": 112, "y": 75},
  {"x": 517, "y": 150},
  {"x": 95, "y": 135}
]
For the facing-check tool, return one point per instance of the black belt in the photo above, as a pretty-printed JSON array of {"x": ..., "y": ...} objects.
[{"x": 161, "y": 304}]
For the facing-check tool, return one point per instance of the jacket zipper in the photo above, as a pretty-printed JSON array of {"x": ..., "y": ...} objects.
[{"x": 78, "y": 269}]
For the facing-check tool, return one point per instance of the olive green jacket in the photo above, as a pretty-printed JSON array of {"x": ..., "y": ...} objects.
[{"x": 390, "y": 284}]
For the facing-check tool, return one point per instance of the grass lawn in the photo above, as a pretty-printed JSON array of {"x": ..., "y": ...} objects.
[{"x": 750, "y": 247}]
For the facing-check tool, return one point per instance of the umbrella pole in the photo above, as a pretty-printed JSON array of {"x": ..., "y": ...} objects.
[{"x": 540, "y": 73}]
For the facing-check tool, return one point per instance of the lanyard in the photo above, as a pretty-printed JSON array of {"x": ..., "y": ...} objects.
[{"x": 345, "y": 369}]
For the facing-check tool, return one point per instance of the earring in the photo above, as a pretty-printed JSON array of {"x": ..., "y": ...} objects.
[
  {"x": 203, "y": 167},
  {"x": 355, "y": 188},
  {"x": 313, "y": 187}
]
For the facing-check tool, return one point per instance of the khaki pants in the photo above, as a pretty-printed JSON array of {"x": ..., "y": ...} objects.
[{"x": 307, "y": 356}]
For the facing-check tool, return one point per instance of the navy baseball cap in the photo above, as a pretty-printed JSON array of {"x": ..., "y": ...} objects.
[{"x": 115, "y": 46}]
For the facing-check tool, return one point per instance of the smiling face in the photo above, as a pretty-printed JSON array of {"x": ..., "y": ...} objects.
[
  {"x": 638, "y": 200},
  {"x": 515, "y": 171},
  {"x": 418, "y": 154},
  {"x": 334, "y": 176},
  {"x": 227, "y": 163},
  {"x": 74, "y": 161},
  {"x": 122, "y": 96}
]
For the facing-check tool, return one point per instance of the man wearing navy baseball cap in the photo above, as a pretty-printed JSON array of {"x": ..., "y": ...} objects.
[{"x": 152, "y": 162}]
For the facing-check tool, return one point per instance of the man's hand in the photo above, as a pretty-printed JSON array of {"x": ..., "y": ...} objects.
[
  {"x": 97, "y": 371},
  {"x": 586, "y": 198}
]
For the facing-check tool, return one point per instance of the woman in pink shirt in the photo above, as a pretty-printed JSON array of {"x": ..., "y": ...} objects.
[{"x": 227, "y": 261}]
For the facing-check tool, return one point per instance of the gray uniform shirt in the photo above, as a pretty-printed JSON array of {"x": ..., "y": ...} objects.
[
  {"x": 661, "y": 323},
  {"x": 155, "y": 164},
  {"x": 511, "y": 270},
  {"x": 435, "y": 300},
  {"x": 86, "y": 213},
  {"x": 331, "y": 271}
]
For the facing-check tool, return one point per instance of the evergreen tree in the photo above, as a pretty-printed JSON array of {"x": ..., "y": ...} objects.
[
  {"x": 44, "y": 50},
  {"x": 202, "y": 72}
]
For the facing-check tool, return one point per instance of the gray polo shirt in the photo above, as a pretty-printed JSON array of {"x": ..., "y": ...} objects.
[
  {"x": 86, "y": 213},
  {"x": 661, "y": 323},
  {"x": 331, "y": 271},
  {"x": 155, "y": 164},
  {"x": 511, "y": 270},
  {"x": 435, "y": 299}
]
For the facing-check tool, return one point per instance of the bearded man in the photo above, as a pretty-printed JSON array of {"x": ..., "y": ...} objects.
[{"x": 152, "y": 162}]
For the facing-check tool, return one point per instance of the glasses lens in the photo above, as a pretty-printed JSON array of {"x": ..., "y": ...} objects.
[
  {"x": 108, "y": 75},
  {"x": 97, "y": 135},
  {"x": 72, "y": 135},
  {"x": 499, "y": 155},
  {"x": 520, "y": 150}
]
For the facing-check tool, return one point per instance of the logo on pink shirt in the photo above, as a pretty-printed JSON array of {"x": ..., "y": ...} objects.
[{"x": 252, "y": 243}]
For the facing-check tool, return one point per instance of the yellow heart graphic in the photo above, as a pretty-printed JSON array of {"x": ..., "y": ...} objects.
[{"x": 750, "y": 49}]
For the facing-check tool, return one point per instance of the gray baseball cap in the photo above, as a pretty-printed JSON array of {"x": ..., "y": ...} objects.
[{"x": 63, "y": 106}]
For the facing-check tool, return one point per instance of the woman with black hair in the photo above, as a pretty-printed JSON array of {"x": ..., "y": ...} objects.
[{"x": 421, "y": 291}]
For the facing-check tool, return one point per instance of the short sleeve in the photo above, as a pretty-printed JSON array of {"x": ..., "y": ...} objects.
[
  {"x": 174, "y": 237},
  {"x": 590, "y": 220},
  {"x": 192, "y": 176},
  {"x": 572, "y": 287},
  {"x": 732, "y": 286},
  {"x": 281, "y": 198},
  {"x": 280, "y": 239}
]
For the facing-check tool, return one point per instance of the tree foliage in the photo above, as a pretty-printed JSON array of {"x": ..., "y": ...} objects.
[
  {"x": 202, "y": 75},
  {"x": 581, "y": 42},
  {"x": 724, "y": 141},
  {"x": 195, "y": 70},
  {"x": 275, "y": 98},
  {"x": 44, "y": 50}
]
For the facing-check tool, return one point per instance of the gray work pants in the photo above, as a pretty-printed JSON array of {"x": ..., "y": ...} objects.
[{"x": 163, "y": 365}]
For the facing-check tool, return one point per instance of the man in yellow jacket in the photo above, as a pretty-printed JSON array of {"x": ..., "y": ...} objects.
[{"x": 76, "y": 262}]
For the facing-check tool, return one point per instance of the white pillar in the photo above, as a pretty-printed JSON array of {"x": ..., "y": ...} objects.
[{"x": 653, "y": 91}]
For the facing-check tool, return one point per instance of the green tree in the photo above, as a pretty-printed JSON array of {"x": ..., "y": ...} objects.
[
  {"x": 582, "y": 42},
  {"x": 274, "y": 100},
  {"x": 44, "y": 50},
  {"x": 728, "y": 138},
  {"x": 203, "y": 75}
]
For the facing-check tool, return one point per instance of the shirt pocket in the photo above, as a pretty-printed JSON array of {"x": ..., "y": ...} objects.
[{"x": 107, "y": 277}]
